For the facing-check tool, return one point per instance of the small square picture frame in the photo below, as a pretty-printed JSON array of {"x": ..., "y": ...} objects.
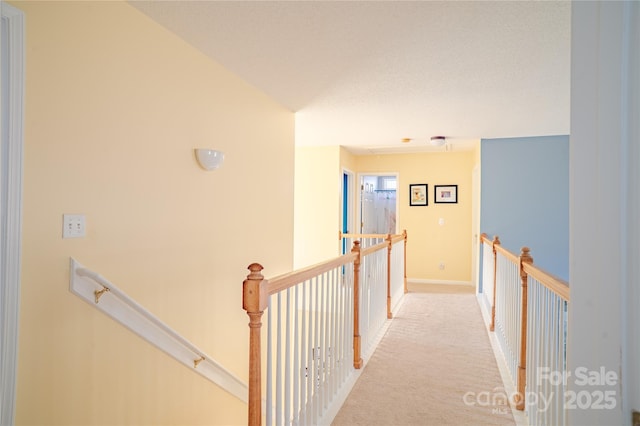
[
  {"x": 418, "y": 195},
  {"x": 445, "y": 194}
]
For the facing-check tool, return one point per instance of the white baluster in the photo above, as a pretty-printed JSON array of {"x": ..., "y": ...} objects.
[
  {"x": 304, "y": 371},
  {"x": 314, "y": 351},
  {"x": 296, "y": 356},
  {"x": 269, "y": 411},
  {"x": 334, "y": 329},
  {"x": 279, "y": 362},
  {"x": 322, "y": 345},
  {"x": 327, "y": 344},
  {"x": 287, "y": 361}
]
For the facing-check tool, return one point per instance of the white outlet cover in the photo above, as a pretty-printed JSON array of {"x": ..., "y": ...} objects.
[
  {"x": 441, "y": 221},
  {"x": 73, "y": 226}
]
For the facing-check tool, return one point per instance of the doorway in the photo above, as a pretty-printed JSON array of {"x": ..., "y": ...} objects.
[
  {"x": 347, "y": 203},
  {"x": 378, "y": 204}
]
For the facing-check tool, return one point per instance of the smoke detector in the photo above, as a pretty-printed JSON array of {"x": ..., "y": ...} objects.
[{"x": 438, "y": 140}]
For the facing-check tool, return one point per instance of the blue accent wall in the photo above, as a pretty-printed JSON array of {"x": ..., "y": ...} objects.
[{"x": 525, "y": 197}]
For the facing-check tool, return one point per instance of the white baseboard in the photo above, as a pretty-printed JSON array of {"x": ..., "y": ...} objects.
[{"x": 447, "y": 282}]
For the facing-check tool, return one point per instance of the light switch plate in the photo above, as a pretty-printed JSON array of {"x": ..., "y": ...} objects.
[{"x": 73, "y": 226}]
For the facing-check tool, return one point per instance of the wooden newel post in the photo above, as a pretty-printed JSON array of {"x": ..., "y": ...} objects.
[
  {"x": 494, "y": 243},
  {"x": 525, "y": 257},
  {"x": 254, "y": 301},
  {"x": 389, "y": 248},
  {"x": 404, "y": 234},
  {"x": 357, "y": 358}
]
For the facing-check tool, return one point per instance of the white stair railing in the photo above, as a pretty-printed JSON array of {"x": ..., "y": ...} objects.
[
  {"x": 365, "y": 240},
  {"x": 507, "y": 323},
  {"x": 488, "y": 277},
  {"x": 398, "y": 272},
  {"x": 322, "y": 323},
  {"x": 547, "y": 325},
  {"x": 309, "y": 350},
  {"x": 373, "y": 295},
  {"x": 531, "y": 313}
]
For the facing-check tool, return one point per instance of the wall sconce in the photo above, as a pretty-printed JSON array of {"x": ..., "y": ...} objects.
[{"x": 209, "y": 159}]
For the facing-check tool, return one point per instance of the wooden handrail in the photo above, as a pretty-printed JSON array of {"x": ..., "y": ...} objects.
[
  {"x": 372, "y": 249},
  {"x": 288, "y": 280},
  {"x": 553, "y": 283},
  {"x": 341, "y": 235},
  {"x": 397, "y": 238},
  {"x": 394, "y": 237},
  {"x": 506, "y": 253},
  {"x": 484, "y": 238}
]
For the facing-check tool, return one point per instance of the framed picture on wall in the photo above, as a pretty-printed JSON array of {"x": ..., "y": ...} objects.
[
  {"x": 418, "y": 194},
  {"x": 445, "y": 194}
]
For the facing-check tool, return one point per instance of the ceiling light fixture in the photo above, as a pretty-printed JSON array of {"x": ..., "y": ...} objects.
[
  {"x": 438, "y": 140},
  {"x": 406, "y": 140}
]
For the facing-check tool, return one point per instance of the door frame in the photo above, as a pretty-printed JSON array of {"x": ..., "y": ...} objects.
[
  {"x": 350, "y": 202},
  {"x": 475, "y": 226},
  {"x": 11, "y": 169}
]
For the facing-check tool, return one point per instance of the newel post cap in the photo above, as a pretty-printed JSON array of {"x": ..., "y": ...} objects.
[
  {"x": 254, "y": 294},
  {"x": 525, "y": 255}
]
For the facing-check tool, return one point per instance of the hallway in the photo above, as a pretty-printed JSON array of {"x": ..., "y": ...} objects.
[{"x": 434, "y": 366}]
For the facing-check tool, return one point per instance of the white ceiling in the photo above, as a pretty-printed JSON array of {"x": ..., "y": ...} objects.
[{"x": 367, "y": 74}]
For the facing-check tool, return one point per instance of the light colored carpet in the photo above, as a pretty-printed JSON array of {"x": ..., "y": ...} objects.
[
  {"x": 435, "y": 352},
  {"x": 440, "y": 288}
]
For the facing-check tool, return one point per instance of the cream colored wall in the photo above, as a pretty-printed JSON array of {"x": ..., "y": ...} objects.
[
  {"x": 348, "y": 160},
  {"x": 318, "y": 210},
  {"x": 317, "y": 204},
  {"x": 428, "y": 242},
  {"x": 115, "y": 105},
  {"x": 476, "y": 154}
]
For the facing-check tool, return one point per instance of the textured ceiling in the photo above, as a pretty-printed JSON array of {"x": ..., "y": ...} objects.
[{"x": 367, "y": 74}]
